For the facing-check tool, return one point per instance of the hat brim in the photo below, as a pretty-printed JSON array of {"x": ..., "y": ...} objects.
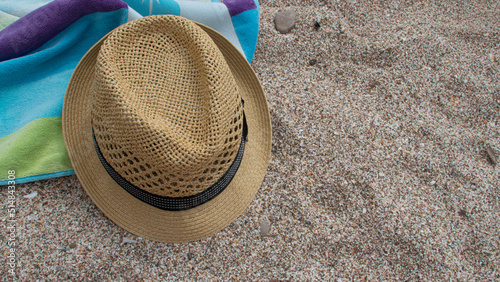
[{"x": 141, "y": 218}]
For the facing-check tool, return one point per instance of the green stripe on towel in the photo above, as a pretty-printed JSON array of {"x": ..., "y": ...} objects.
[{"x": 36, "y": 148}]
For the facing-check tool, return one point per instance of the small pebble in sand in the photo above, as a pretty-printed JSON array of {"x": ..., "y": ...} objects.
[
  {"x": 491, "y": 155},
  {"x": 285, "y": 20},
  {"x": 190, "y": 256},
  {"x": 58, "y": 268},
  {"x": 462, "y": 213},
  {"x": 265, "y": 227},
  {"x": 125, "y": 240},
  {"x": 317, "y": 25},
  {"x": 72, "y": 245},
  {"x": 31, "y": 195}
]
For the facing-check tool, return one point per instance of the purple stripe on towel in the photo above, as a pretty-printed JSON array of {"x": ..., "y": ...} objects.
[
  {"x": 36, "y": 28},
  {"x": 239, "y": 6}
]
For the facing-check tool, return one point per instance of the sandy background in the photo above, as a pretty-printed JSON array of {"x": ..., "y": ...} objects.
[{"x": 379, "y": 169}]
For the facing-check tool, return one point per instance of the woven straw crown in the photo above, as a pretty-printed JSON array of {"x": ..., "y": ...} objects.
[{"x": 166, "y": 112}]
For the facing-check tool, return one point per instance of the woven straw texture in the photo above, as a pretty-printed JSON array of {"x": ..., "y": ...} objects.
[
  {"x": 166, "y": 112},
  {"x": 81, "y": 109}
]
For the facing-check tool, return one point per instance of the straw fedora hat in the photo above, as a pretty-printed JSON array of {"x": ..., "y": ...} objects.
[{"x": 167, "y": 128}]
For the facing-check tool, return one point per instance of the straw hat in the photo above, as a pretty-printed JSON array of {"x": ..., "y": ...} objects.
[{"x": 167, "y": 128}]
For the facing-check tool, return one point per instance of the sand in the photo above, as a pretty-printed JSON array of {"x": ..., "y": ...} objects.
[{"x": 382, "y": 119}]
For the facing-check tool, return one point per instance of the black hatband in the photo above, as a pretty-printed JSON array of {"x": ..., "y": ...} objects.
[{"x": 177, "y": 203}]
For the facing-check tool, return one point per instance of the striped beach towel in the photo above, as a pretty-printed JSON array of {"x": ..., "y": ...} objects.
[{"x": 41, "y": 42}]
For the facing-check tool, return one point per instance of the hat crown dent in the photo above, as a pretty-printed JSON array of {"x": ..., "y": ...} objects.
[{"x": 166, "y": 111}]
